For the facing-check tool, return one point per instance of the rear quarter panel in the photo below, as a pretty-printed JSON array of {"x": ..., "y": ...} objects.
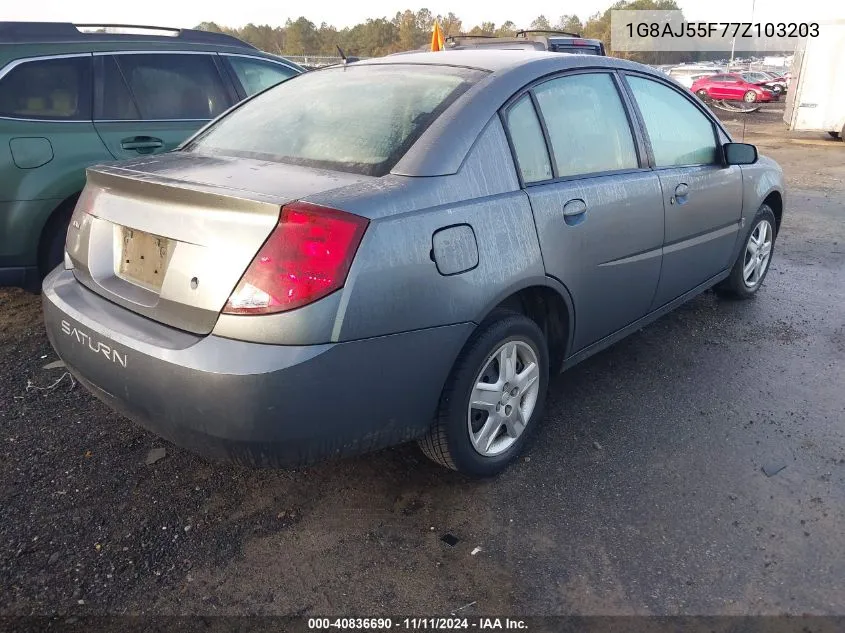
[
  {"x": 74, "y": 146},
  {"x": 394, "y": 284}
]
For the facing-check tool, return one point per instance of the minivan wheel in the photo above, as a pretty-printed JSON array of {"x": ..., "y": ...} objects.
[
  {"x": 752, "y": 264},
  {"x": 493, "y": 398}
]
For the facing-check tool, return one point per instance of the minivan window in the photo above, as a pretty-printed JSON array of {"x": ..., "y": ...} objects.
[
  {"x": 360, "y": 119},
  {"x": 173, "y": 86},
  {"x": 256, "y": 75},
  {"x": 587, "y": 124},
  {"x": 680, "y": 133},
  {"x": 532, "y": 157},
  {"x": 58, "y": 88}
]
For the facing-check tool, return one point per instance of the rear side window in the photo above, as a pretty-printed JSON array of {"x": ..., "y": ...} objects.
[
  {"x": 587, "y": 124},
  {"x": 680, "y": 133},
  {"x": 57, "y": 89},
  {"x": 355, "y": 118},
  {"x": 167, "y": 87},
  {"x": 112, "y": 99},
  {"x": 256, "y": 75},
  {"x": 528, "y": 142}
]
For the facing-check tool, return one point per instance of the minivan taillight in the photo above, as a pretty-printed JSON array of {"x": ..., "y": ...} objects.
[{"x": 306, "y": 257}]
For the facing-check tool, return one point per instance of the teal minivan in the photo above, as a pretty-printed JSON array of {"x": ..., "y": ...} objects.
[{"x": 75, "y": 95}]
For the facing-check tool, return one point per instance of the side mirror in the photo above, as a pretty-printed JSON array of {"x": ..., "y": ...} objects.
[{"x": 740, "y": 153}]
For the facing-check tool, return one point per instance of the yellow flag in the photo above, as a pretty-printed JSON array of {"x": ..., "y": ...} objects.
[{"x": 437, "y": 43}]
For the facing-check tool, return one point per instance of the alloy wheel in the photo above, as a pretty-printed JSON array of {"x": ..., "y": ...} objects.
[
  {"x": 758, "y": 252},
  {"x": 503, "y": 398}
]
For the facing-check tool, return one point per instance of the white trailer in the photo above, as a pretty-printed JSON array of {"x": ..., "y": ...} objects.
[{"x": 816, "y": 97}]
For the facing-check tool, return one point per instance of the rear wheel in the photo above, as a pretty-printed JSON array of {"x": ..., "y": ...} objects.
[
  {"x": 752, "y": 264},
  {"x": 702, "y": 94},
  {"x": 493, "y": 398},
  {"x": 835, "y": 134},
  {"x": 52, "y": 248}
]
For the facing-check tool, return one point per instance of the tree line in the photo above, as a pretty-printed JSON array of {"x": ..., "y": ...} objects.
[{"x": 409, "y": 30}]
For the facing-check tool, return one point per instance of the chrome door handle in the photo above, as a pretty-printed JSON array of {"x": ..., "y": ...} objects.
[{"x": 141, "y": 143}]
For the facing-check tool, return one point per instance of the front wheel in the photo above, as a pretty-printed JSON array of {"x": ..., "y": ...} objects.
[
  {"x": 752, "y": 264},
  {"x": 702, "y": 94},
  {"x": 493, "y": 398},
  {"x": 750, "y": 97}
]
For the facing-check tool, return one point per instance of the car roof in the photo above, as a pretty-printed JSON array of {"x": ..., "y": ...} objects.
[
  {"x": 19, "y": 40},
  {"x": 66, "y": 32}
]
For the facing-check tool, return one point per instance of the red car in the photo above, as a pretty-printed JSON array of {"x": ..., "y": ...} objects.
[{"x": 731, "y": 87}]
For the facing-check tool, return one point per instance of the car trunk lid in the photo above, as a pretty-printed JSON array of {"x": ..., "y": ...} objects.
[{"x": 170, "y": 237}]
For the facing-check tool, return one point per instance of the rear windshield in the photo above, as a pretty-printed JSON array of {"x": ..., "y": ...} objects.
[{"x": 359, "y": 119}]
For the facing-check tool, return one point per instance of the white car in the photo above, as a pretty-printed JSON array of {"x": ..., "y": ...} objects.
[{"x": 686, "y": 75}]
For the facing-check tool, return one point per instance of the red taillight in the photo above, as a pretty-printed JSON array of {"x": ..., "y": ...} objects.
[
  {"x": 580, "y": 42},
  {"x": 306, "y": 257}
]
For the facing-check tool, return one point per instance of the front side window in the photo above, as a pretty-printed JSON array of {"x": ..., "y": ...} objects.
[
  {"x": 358, "y": 118},
  {"x": 587, "y": 125},
  {"x": 532, "y": 157},
  {"x": 58, "y": 89},
  {"x": 680, "y": 133},
  {"x": 256, "y": 75},
  {"x": 173, "y": 87}
]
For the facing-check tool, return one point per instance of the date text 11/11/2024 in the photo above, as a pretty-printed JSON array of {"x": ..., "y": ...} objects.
[{"x": 416, "y": 624}]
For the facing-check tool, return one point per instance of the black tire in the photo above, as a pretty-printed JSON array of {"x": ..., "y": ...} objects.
[
  {"x": 448, "y": 441},
  {"x": 702, "y": 94},
  {"x": 735, "y": 286},
  {"x": 835, "y": 135},
  {"x": 52, "y": 248},
  {"x": 750, "y": 97}
]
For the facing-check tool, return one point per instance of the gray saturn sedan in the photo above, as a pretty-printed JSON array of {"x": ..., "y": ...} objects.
[{"x": 401, "y": 249}]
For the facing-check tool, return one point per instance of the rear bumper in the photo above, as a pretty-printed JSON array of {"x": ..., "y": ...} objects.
[{"x": 271, "y": 404}]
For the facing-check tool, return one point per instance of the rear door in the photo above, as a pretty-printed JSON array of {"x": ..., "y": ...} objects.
[
  {"x": 597, "y": 206},
  {"x": 734, "y": 88},
  {"x": 147, "y": 103},
  {"x": 718, "y": 87},
  {"x": 701, "y": 196}
]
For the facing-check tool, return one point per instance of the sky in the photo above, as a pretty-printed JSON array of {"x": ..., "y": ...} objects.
[{"x": 340, "y": 13}]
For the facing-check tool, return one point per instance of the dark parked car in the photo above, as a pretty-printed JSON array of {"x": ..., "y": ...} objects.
[
  {"x": 534, "y": 39},
  {"x": 71, "y": 96},
  {"x": 403, "y": 248}
]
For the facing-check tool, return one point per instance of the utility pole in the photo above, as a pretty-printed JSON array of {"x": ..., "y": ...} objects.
[{"x": 733, "y": 41}]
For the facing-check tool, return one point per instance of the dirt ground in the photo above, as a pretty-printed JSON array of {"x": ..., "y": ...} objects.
[{"x": 645, "y": 494}]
